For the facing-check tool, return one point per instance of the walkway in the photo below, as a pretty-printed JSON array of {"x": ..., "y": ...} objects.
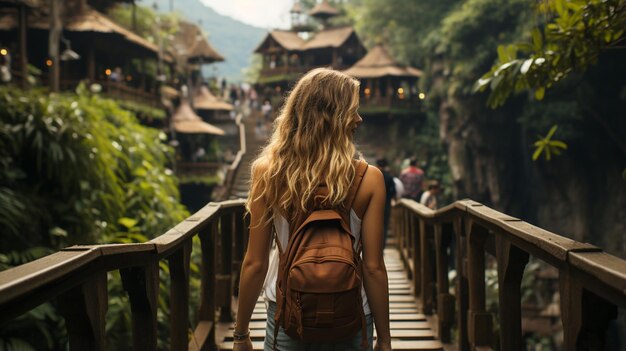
[{"x": 409, "y": 328}]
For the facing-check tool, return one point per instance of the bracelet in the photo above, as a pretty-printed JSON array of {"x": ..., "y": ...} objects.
[{"x": 240, "y": 337}]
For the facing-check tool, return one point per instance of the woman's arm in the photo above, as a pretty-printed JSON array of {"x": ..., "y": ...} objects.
[
  {"x": 254, "y": 267},
  {"x": 374, "y": 271}
]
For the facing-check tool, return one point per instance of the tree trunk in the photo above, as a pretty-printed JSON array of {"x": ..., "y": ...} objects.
[
  {"x": 56, "y": 28},
  {"x": 23, "y": 29}
]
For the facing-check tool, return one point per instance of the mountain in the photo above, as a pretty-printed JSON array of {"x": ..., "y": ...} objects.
[{"x": 233, "y": 39}]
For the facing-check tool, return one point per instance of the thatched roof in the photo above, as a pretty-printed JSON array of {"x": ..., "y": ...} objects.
[
  {"x": 286, "y": 39},
  {"x": 192, "y": 45},
  {"x": 88, "y": 21},
  {"x": 186, "y": 121},
  {"x": 323, "y": 10},
  {"x": 204, "y": 100},
  {"x": 379, "y": 63},
  {"x": 333, "y": 37}
]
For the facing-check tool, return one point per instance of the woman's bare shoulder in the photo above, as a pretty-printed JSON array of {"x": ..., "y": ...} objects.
[
  {"x": 373, "y": 177},
  {"x": 373, "y": 183}
]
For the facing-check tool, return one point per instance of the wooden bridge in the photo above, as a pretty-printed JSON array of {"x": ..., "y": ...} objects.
[{"x": 424, "y": 310}]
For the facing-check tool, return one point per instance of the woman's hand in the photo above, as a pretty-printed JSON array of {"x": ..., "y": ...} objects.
[
  {"x": 246, "y": 345},
  {"x": 382, "y": 346}
]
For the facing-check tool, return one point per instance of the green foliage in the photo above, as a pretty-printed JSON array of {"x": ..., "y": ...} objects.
[
  {"x": 547, "y": 146},
  {"x": 572, "y": 39},
  {"x": 405, "y": 26},
  {"x": 142, "y": 110},
  {"x": 155, "y": 27},
  {"x": 77, "y": 168},
  {"x": 79, "y": 163}
]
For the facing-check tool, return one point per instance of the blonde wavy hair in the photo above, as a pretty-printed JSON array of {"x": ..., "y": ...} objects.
[{"x": 311, "y": 145}]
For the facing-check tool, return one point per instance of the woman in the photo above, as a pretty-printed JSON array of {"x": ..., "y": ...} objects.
[{"x": 312, "y": 145}]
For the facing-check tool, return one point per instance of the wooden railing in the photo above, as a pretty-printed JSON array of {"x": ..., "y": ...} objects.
[
  {"x": 77, "y": 278},
  {"x": 592, "y": 283},
  {"x": 232, "y": 170},
  {"x": 119, "y": 90}
]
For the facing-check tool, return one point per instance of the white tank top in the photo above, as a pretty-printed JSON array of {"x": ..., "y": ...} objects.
[{"x": 282, "y": 233}]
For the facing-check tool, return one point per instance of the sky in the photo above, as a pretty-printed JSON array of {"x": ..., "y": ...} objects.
[{"x": 266, "y": 14}]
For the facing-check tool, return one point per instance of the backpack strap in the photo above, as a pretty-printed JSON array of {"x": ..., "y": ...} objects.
[{"x": 359, "y": 173}]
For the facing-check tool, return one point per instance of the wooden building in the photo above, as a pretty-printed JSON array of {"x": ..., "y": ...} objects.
[
  {"x": 387, "y": 87},
  {"x": 92, "y": 48},
  {"x": 286, "y": 54},
  {"x": 192, "y": 50}
]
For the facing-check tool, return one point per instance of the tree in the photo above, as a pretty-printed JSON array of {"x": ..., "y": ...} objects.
[
  {"x": 576, "y": 34},
  {"x": 573, "y": 37}
]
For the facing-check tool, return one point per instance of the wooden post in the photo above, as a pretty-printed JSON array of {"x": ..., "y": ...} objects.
[
  {"x": 425, "y": 268},
  {"x": 179, "y": 296},
  {"x": 23, "y": 29},
  {"x": 511, "y": 264},
  {"x": 480, "y": 326},
  {"x": 142, "y": 286},
  {"x": 408, "y": 246},
  {"x": 416, "y": 272},
  {"x": 584, "y": 315},
  {"x": 462, "y": 300},
  {"x": 84, "y": 309},
  {"x": 206, "y": 310},
  {"x": 56, "y": 27},
  {"x": 445, "y": 301},
  {"x": 225, "y": 279},
  {"x": 238, "y": 247}
]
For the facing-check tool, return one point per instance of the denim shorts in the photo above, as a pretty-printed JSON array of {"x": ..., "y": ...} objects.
[{"x": 286, "y": 343}]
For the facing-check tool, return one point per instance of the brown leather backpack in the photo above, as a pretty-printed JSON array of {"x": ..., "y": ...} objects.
[{"x": 318, "y": 290}]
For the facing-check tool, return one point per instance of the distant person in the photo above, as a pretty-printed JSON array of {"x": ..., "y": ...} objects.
[
  {"x": 234, "y": 95},
  {"x": 399, "y": 188},
  {"x": 198, "y": 154},
  {"x": 429, "y": 197},
  {"x": 412, "y": 178},
  {"x": 116, "y": 75},
  {"x": 224, "y": 85},
  {"x": 253, "y": 97},
  {"x": 267, "y": 110},
  {"x": 390, "y": 189}
]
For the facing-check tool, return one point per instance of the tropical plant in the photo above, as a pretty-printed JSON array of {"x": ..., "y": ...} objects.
[
  {"x": 76, "y": 168},
  {"x": 572, "y": 39}
]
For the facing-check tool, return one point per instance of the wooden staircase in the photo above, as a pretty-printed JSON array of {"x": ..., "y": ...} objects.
[
  {"x": 255, "y": 140},
  {"x": 410, "y": 330}
]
